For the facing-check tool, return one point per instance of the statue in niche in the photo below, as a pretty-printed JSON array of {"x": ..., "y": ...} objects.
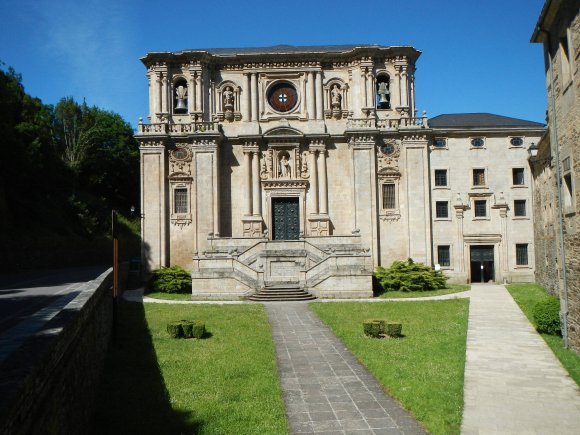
[
  {"x": 285, "y": 169},
  {"x": 335, "y": 97},
  {"x": 228, "y": 96}
]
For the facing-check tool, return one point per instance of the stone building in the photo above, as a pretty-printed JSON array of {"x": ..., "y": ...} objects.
[
  {"x": 556, "y": 167},
  {"x": 308, "y": 167}
]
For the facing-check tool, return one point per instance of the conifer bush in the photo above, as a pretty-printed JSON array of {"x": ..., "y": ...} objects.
[
  {"x": 174, "y": 279},
  {"x": 409, "y": 276},
  {"x": 547, "y": 316}
]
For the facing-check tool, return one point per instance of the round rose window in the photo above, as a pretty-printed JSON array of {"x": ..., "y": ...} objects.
[{"x": 282, "y": 97}]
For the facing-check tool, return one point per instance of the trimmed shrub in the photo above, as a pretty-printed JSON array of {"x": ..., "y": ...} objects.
[
  {"x": 409, "y": 276},
  {"x": 198, "y": 329},
  {"x": 174, "y": 279},
  {"x": 175, "y": 329},
  {"x": 547, "y": 316},
  {"x": 187, "y": 327},
  {"x": 393, "y": 329},
  {"x": 373, "y": 328}
]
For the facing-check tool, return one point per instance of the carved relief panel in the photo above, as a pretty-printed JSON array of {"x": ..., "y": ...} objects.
[{"x": 180, "y": 180}]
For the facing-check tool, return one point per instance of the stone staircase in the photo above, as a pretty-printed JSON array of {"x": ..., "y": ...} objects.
[{"x": 281, "y": 292}]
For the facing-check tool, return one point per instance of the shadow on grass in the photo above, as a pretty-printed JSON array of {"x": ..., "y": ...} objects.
[{"x": 133, "y": 398}]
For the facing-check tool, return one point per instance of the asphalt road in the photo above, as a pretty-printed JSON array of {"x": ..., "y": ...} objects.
[{"x": 24, "y": 295}]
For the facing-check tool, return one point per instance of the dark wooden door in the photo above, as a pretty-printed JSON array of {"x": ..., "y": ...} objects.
[
  {"x": 286, "y": 218},
  {"x": 482, "y": 264}
]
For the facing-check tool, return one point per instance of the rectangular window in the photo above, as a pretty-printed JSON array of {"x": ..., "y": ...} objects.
[
  {"x": 520, "y": 207},
  {"x": 565, "y": 58},
  {"x": 522, "y": 254},
  {"x": 440, "y": 177},
  {"x": 443, "y": 256},
  {"x": 389, "y": 200},
  {"x": 441, "y": 209},
  {"x": 518, "y": 176},
  {"x": 480, "y": 207},
  {"x": 567, "y": 190},
  {"x": 180, "y": 200},
  {"x": 566, "y": 164},
  {"x": 479, "y": 177}
]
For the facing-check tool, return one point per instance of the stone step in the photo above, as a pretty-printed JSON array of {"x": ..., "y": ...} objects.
[{"x": 282, "y": 294}]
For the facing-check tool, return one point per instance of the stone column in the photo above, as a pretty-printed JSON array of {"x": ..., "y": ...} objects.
[
  {"x": 254, "y": 91},
  {"x": 404, "y": 87},
  {"x": 313, "y": 181},
  {"x": 256, "y": 204},
  {"x": 151, "y": 88},
  {"x": 153, "y": 204},
  {"x": 164, "y": 94},
  {"x": 459, "y": 252},
  {"x": 248, "y": 190},
  {"x": 319, "y": 98},
  {"x": 246, "y": 91},
  {"x": 364, "y": 86},
  {"x": 371, "y": 98},
  {"x": 323, "y": 196},
  {"x": 310, "y": 96},
  {"x": 199, "y": 92},
  {"x": 417, "y": 198},
  {"x": 191, "y": 92},
  {"x": 396, "y": 90},
  {"x": 159, "y": 92}
]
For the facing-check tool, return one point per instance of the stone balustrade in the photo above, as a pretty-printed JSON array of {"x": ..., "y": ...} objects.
[
  {"x": 195, "y": 127},
  {"x": 388, "y": 124}
]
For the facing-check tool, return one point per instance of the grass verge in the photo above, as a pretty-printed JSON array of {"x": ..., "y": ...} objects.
[
  {"x": 226, "y": 383},
  {"x": 169, "y": 296},
  {"x": 527, "y": 296},
  {"x": 424, "y": 369},
  {"x": 451, "y": 288}
]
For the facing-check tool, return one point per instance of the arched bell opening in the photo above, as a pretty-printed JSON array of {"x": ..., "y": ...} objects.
[
  {"x": 383, "y": 92},
  {"x": 180, "y": 96}
]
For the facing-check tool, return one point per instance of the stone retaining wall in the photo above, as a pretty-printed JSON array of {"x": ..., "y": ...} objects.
[{"x": 48, "y": 385}]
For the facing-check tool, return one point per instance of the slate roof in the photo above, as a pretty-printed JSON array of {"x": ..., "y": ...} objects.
[
  {"x": 479, "y": 120},
  {"x": 285, "y": 49}
]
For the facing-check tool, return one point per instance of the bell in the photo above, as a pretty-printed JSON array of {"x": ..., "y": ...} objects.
[{"x": 181, "y": 105}]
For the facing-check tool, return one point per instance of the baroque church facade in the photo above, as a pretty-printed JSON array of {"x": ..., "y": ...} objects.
[{"x": 309, "y": 167}]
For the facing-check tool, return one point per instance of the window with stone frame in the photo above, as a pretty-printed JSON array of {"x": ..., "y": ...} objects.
[
  {"x": 442, "y": 209},
  {"x": 480, "y": 208},
  {"x": 565, "y": 59},
  {"x": 389, "y": 196},
  {"x": 520, "y": 207},
  {"x": 518, "y": 177},
  {"x": 440, "y": 177},
  {"x": 479, "y": 177},
  {"x": 180, "y": 203},
  {"x": 522, "y": 254},
  {"x": 444, "y": 255}
]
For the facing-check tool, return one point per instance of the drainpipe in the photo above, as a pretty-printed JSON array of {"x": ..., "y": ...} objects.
[{"x": 554, "y": 140}]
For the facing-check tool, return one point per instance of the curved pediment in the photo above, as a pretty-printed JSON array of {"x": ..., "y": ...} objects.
[{"x": 283, "y": 133}]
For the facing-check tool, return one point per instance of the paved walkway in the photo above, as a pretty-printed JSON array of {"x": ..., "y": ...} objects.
[
  {"x": 513, "y": 382},
  {"x": 326, "y": 390}
]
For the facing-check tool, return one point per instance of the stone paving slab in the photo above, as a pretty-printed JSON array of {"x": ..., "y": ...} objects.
[
  {"x": 513, "y": 382},
  {"x": 326, "y": 390}
]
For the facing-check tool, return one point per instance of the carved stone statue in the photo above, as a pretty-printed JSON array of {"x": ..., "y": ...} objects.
[
  {"x": 285, "y": 169},
  {"x": 228, "y": 97},
  {"x": 335, "y": 97}
]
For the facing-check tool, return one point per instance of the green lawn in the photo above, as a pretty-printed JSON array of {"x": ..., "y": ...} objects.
[
  {"x": 451, "y": 288},
  {"x": 424, "y": 369},
  {"x": 169, "y": 296},
  {"x": 527, "y": 296},
  {"x": 226, "y": 383}
]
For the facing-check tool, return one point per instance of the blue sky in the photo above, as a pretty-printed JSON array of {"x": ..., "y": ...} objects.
[{"x": 476, "y": 53}]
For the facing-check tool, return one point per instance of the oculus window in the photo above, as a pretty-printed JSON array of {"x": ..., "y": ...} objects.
[
  {"x": 477, "y": 142},
  {"x": 516, "y": 141},
  {"x": 282, "y": 97}
]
